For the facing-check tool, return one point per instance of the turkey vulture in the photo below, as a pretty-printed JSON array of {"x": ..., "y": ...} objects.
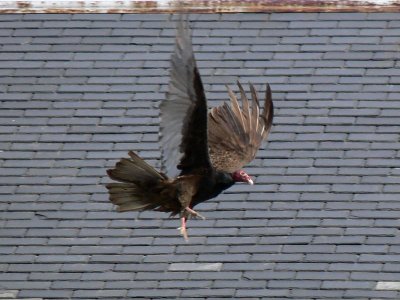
[{"x": 202, "y": 152}]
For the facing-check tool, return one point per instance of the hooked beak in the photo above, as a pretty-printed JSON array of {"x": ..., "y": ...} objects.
[
  {"x": 248, "y": 179},
  {"x": 241, "y": 176}
]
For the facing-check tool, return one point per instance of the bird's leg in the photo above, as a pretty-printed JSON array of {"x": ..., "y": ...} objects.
[
  {"x": 184, "y": 215},
  {"x": 194, "y": 213},
  {"x": 182, "y": 229}
]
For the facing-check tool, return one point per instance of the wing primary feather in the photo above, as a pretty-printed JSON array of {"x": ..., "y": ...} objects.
[
  {"x": 235, "y": 106},
  {"x": 246, "y": 108},
  {"x": 268, "y": 113},
  {"x": 255, "y": 110},
  {"x": 234, "y": 123},
  {"x": 235, "y": 115}
]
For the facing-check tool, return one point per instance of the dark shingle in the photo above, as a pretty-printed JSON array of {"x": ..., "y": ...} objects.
[{"x": 79, "y": 90}]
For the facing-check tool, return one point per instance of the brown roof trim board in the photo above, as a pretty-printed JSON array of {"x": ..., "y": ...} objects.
[{"x": 196, "y": 6}]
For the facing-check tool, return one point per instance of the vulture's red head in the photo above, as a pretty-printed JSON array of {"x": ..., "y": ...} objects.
[{"x": 241, "y": 176}]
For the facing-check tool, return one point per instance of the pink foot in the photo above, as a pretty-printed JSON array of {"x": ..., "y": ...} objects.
[{"x": 182, "y": 229}]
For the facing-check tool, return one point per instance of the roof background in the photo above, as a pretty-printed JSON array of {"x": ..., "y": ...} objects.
[{"x": 322, "y": 222}]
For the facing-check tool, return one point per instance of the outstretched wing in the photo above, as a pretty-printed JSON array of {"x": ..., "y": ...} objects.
[
  {"x": 184, "y": 112},
  {"x": 235, "y": 133}
]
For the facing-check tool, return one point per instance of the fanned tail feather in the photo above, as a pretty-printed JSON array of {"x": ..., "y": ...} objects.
[
  {"x": 137, "y": 189},
  {"x": 130, "y": 197},
  {"x": 134, "y": 170}
]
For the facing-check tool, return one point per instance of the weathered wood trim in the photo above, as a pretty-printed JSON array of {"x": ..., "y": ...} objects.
[{"x": 196, "y": 6}]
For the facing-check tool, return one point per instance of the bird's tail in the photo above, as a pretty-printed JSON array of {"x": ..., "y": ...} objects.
[{"x": 137, "y": 180}]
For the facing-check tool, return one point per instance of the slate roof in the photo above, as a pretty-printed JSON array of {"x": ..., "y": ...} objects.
[{"x": 322, "y": 221}]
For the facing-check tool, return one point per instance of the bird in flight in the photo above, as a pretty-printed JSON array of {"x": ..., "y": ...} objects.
[{"x": 203, "y": 151}]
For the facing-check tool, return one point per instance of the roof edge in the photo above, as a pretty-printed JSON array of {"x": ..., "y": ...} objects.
[{"x": 196, "y": 6}]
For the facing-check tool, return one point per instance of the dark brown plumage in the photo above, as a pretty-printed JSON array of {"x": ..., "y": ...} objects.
[{"x": 199, "y": 161}]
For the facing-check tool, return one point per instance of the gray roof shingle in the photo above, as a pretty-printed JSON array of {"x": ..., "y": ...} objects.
[{"x": 79, "y": 91}]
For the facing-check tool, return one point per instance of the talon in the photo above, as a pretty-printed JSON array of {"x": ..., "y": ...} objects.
[
  {"x": 194, "y": 213},
  {"x": 182, "y": 229},
  {"x": 184, "y": 233}
]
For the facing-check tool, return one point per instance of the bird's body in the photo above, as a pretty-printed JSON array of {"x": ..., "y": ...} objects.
[
  {"x": 202, "y": 152},
  {"x": 210, "y": 186},
  {"x": 157, "y": 191},
  {"x": 144, "y": 188}
]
